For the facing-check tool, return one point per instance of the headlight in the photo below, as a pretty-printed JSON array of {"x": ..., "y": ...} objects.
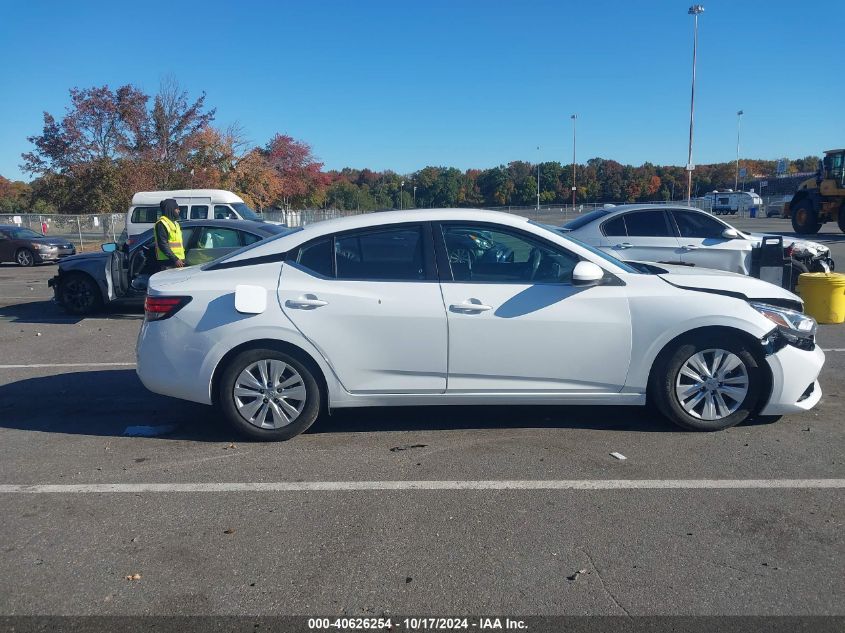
[{"x": 798, "y": 329}]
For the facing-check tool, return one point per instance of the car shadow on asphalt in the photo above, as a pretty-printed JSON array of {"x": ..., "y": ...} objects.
[
  {"x": 48, "y": 311},
  {"x": 115, "y": 403}
]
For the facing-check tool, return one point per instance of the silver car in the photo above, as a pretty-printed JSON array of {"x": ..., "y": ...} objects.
[{"x": 687, "y": 236}]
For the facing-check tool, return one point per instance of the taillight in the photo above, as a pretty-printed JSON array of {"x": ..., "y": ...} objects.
[
  {"x": 158, "y": 308},
  {"x": 788, "y": 250}
]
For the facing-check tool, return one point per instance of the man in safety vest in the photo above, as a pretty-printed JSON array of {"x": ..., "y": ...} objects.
[{"x": 170, "y": 252}]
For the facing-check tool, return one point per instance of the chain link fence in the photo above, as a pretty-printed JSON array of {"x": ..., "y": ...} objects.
[{"x": 89, "y": 232}]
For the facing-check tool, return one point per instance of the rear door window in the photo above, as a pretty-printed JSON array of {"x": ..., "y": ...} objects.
[
  {"x": 700, "y": 225},
  {"x": 651, "y": 223},
  {"x": 615, "y": 227},
  {"x": 317, "y": 257},
  {"x": 385, "y": 254}
]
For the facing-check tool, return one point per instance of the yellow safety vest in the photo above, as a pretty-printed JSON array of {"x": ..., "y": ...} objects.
[{"x": 174, "y": 239}]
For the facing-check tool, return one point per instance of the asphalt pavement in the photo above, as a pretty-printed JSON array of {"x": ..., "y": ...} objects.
[{"x": 70, "y": 400}]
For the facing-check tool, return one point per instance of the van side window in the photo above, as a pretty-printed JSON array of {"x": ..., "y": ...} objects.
[
  {"x": 222, "y": 212},
  {"x": 145, "y": 215},
  {"x": 199, "y": 212}
]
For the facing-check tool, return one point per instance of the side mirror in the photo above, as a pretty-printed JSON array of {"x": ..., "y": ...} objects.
[
  {"x": 587, "y": 274},
  {"x": 730, "y": 234},
  {"x": 111, "y": 247}
]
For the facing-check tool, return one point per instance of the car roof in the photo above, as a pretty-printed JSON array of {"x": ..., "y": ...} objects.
[
  {"x": 639, "y": 206},
  {"x": 364, "y": 220},
  {"x": 154, "y": 197}
]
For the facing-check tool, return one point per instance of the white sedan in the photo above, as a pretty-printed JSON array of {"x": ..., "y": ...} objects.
[
  {"x": 687, "y": 236},
  {"x": 470, "y": 307}
]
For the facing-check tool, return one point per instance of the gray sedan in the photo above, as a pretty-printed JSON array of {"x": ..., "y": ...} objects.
[
  {"x": 27, "y": 248},
  {"x": 87, "y": 282}
]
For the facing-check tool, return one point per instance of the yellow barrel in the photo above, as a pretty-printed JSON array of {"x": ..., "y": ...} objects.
[{"x": 823, "y": 295}]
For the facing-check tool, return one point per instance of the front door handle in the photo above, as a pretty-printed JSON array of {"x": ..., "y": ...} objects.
[
  {"x": 306, "y": 303},
  {"x": 624, "y": 245},
  {"x": 690, "y": 247},
  {"x": 470, "y": 306}
]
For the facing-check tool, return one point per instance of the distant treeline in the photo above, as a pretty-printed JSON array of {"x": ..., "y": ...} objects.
[{"x": 112, "y": 143}]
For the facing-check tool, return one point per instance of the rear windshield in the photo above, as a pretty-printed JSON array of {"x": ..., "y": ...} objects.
[
  {"x": 585, "y": 219},
  {"x": 283, "y": 231}
]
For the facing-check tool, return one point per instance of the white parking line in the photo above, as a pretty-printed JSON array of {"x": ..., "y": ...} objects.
[
  {"x": 42, "y": 365},
  {"x": 834, "y": 349},
  {"x": 348, "y": 486}
]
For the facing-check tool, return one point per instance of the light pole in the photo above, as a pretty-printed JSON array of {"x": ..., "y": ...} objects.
[
  {"x": 574, "y": 118},
  {"x": 694, "y": 11},
  {"x": 415, "y": 196},
  {"x": 738, "y": 119},
  {"x": 401, "y": 191},
  {"x": 538, "y": 178}
]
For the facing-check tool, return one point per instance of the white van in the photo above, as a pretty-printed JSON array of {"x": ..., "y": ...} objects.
[{"x": 194, "y": 204}]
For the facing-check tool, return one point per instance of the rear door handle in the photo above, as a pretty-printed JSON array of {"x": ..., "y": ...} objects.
[
  {"x": 624, "y": 245},
  {"x": 690, "y": 247},
  {"x": 304, "y": 303},
  {"x": 469, "y": 306}
]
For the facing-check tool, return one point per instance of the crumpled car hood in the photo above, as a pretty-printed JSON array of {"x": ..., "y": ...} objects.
[
  {"x": 723, "y": 282},
  {"x": 800, "y": 246}
]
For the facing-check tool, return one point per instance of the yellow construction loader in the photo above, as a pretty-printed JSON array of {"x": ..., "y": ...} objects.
[{"x": 822, "y": 198}]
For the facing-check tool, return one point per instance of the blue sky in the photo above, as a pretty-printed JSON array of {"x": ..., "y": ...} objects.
[{"x": 401, "y": 85}]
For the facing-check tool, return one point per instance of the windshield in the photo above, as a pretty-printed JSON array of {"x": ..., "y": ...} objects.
[
  {"x": 608, "y": 258},
  {"x": 283, "y": 231},
  {"x": 24, "y": 234},
  {"x": 245, "y": 212},
  {"x": 583, "y": 220}
]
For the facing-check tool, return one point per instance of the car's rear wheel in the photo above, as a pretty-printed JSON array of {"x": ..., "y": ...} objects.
[
  {"x": 805, "y": 217},
  {"x": 25, "y": 257},
  {"x": 707, "y": 383},
  {"x": 79, "y": 294},
  {"x": 269, "y": 395}
]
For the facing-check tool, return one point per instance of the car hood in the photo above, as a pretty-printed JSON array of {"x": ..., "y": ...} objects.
[
  {"x": 52, "y": 241},
  {"x": 813, "y": 249},
  {"x": 723, "y": 282},
  {"x": 83, "y": 257}
]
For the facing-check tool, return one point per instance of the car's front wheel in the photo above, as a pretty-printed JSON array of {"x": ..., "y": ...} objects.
[
  {"x": 268, "y": 395},
  {"x": 79, "y": 294},
  {"x": 25, "y": 257},
  {"x": 707, "y": 383}
]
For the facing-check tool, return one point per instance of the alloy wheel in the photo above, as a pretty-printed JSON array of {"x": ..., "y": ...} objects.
[
  {"x": 77, "y": 295},
  {"x": 269, "y": 394},
  {"x": 25, "y": 258},
  {"x": 712, "y": 384}
]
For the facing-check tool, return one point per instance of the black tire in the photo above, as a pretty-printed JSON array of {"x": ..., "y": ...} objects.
[
  {"x": 79, "y": 294},
  {"x": 226, "y": 400},
  {"x": 805, "y": 217},
  {"x": 662, "y": 387},
  {"x": 798, "y": 269},
  {"x": 25, "y": 257},
  {"x": 840, "y": 219}
]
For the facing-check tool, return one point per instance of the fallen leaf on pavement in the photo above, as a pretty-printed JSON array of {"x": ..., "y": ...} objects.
[{"x": 134, "y": 577}]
